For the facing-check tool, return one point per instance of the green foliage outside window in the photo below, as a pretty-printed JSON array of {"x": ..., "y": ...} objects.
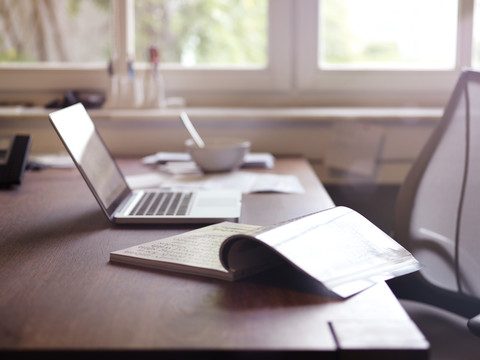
[{"x": 191, "y": 32}]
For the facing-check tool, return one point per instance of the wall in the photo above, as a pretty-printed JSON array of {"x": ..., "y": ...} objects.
[{"x": 378, "y": 147}]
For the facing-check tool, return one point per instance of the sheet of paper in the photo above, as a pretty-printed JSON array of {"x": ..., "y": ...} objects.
[
  {"x": 163, "y": 156},
  {"x": 180, "y": 168},
  {"x": 60, "y": 160},
  {"x": 245, "y": 181},
  {"x": 145, "y": 181},
  {"x": 260, "y": 160}
]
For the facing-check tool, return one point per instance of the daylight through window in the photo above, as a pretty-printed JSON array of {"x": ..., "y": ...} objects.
[
  {"x": 205, "y": 32},
  {"x": 387, "y": 34},
  {"x": 54, "y": 31}
]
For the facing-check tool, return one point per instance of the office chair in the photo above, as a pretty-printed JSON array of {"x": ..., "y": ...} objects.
[{"x": 437, "y": 213}]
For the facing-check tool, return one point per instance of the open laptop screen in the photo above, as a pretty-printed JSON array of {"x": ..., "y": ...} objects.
[{"x": 90, "y": 154}]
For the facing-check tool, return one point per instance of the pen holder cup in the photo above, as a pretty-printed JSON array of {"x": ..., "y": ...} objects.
[
  {"x": 218, "y": 154},
  {"x": 125, "y": 92}
]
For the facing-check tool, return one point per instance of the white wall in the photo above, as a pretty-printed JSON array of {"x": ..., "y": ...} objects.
[{"x": 303, "y": 131}]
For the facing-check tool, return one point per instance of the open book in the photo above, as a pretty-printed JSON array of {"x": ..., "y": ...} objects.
[{"x": 338, "y": 247}]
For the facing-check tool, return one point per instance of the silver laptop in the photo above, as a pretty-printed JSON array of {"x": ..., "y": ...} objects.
[{"x": 123, "y": 205}]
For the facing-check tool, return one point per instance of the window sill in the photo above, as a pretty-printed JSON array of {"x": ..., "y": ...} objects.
[
  {"x": 306, "y": 114},
  {"x": 305, "y": 131}
]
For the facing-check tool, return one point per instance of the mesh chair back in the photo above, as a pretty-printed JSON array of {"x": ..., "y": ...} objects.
[{"x": 438, "y": 209}]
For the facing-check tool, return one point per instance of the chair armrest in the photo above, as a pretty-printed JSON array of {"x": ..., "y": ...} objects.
[{"x": 474, "y": 325}]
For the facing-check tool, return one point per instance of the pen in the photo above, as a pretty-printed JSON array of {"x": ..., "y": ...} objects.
[
  {"x": 154, "y": 58},
  {"x": 131, "y": 71},
  {"x": 110, "y": 68}
]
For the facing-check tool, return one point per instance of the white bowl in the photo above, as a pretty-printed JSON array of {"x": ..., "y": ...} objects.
[{"x": 219, "y": 154}]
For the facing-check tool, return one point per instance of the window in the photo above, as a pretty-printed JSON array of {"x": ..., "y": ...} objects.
[
  {"x": 392, "y": 36},
  {"x": 191, "y": 32},
  {"x": 199, "y": 32},
  {"x": 57, "y": 31},
  {"x": 244, "y": 52},
  {"x": 384, "y": 85}
]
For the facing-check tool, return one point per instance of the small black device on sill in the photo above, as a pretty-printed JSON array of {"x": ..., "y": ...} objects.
[{"x": 13, "y": 158}]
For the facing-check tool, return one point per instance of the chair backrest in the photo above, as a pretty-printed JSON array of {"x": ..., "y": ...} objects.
[{"x": 437, "y": 215}]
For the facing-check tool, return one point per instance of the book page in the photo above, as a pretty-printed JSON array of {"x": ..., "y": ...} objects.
[
  {"x": 341, "y": 249},
  {"x": 198, "y": 248}
]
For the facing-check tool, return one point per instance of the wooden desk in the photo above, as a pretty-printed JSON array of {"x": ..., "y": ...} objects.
[{"x": 59, "y": 292}]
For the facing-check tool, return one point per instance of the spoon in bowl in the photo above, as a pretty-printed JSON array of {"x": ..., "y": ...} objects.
[{"x": 191, "y": 129}]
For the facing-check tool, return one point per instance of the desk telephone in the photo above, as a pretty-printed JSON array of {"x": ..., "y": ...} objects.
[{"x": 13, "y": 158}]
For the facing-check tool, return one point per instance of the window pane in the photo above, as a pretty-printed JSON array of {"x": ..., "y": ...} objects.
[
  {"x": 392, "y": 34},
  {"x": 46, "y": 30},
  {"x": 207, "y": 32}
]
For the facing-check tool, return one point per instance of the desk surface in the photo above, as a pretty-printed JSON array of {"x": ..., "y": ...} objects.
[{"x": 59, "y": 292}]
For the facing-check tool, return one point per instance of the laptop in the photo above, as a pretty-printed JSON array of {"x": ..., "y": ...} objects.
[{"x": 120, "y": 203}]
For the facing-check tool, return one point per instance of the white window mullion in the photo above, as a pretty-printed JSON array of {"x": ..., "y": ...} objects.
[
  {"x": 123, "y": 34},
  {"x": 281, "y": 28},
  {"x": 306, "y": 44},
  {"x": 465, "y": 33}
]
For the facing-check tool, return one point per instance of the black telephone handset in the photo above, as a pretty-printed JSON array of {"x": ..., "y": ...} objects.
[{"x": 13, "y": 158}]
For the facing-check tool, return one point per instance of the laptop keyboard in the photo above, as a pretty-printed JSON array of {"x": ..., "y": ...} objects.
[{"x": 162, "y": 203}]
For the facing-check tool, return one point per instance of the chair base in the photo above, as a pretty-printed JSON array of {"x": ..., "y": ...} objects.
[
  {"x": 446, "y": 332},
  {"x": 414, "y": 287}
]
